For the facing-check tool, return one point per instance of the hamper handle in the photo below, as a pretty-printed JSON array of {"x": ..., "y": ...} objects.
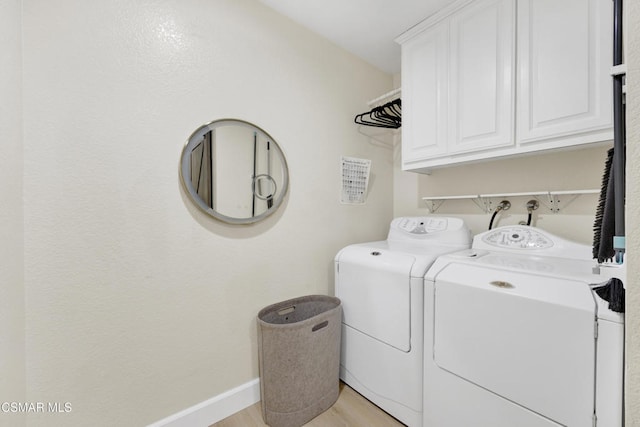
[
  {"x": 320, "y": 326},
  {"x": 286, "y": 310}
]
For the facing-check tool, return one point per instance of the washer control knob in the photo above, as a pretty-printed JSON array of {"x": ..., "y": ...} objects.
[{"x": 516, "y": 237}]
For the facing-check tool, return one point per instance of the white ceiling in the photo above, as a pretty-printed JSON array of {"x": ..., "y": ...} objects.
[{"x": 366, "y": 28}]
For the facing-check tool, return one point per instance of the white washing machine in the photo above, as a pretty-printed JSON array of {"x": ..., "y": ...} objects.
[
  {"x": 381, "y": 285},
  {"x": 516, "y": 336}
]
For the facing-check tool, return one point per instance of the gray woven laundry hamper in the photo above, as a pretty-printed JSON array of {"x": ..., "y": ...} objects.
[{"x": 299, "y": 356}]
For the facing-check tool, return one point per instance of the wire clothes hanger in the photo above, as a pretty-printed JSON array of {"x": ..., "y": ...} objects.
[{"x": 387, "y": 116}]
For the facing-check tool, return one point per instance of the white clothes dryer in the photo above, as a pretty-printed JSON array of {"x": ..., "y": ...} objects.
[
  {"x": 516, "y": 336},
  {"x": 381, "y": 285}
]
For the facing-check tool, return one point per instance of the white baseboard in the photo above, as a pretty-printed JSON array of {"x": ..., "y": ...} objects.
[{"x": 215, "y": 409}]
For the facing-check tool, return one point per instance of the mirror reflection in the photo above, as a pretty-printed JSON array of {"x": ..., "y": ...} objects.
[{"x": 234, "y": 171}]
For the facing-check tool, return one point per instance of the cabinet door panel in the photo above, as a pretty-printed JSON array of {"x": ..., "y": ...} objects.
[
  {"x": 424, "y": 95},
  {"x": 564, "y": 52},
  {"x": 482, "y": 66}
]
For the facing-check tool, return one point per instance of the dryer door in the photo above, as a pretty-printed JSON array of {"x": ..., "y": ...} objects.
[
  {"x": 527, "y": 338},
  {"x": 374, "y": 287}
]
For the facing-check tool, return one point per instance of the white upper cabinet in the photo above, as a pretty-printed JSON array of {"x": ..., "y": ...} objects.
[
  {"x": 480, "y": 82},
  {"x": 425, "y": 105},
  {"x": 481, "y": 76},
  {"x": 564, "y": 59}
]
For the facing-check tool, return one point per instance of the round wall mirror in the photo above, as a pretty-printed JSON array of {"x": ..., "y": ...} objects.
[{"x": 234, "y": 171}]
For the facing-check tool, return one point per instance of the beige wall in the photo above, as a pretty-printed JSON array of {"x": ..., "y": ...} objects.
[
  {"x": 633, "y": 214},
  {"x": 138, "y": 306},
  {"x": 568, "y": 170},
  {"x": 12, "y": 316}
]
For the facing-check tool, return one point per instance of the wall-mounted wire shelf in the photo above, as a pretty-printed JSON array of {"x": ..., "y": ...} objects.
[
  {"x": 389, "y": 95},
  {"x": 553, "y": 200}
]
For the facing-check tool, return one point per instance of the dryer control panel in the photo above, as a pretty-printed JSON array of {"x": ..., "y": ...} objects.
[
  {"x": 430, "y": 230},
  {"x": 422, "y": 225},
  {"x": 517, "y": 237}
]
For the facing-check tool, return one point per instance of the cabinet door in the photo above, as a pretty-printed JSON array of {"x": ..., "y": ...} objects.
[
  {"x": 481, "y": 110},
  {"x": 424, "y": 95},
  {"x": 564, "y": 54}
]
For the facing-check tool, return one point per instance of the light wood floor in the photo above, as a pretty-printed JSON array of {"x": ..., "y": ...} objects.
[{"x": 351, "y": 410}]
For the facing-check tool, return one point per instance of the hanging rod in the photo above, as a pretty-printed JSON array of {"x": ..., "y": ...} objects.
[
  {"x": 385, "y": 96},
  {"x": 484, "y": 201}
]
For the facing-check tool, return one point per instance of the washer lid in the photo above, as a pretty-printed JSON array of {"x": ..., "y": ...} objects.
[
  {"x": 542, "y": 266},
  {"x": 527, "y": 338}
]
